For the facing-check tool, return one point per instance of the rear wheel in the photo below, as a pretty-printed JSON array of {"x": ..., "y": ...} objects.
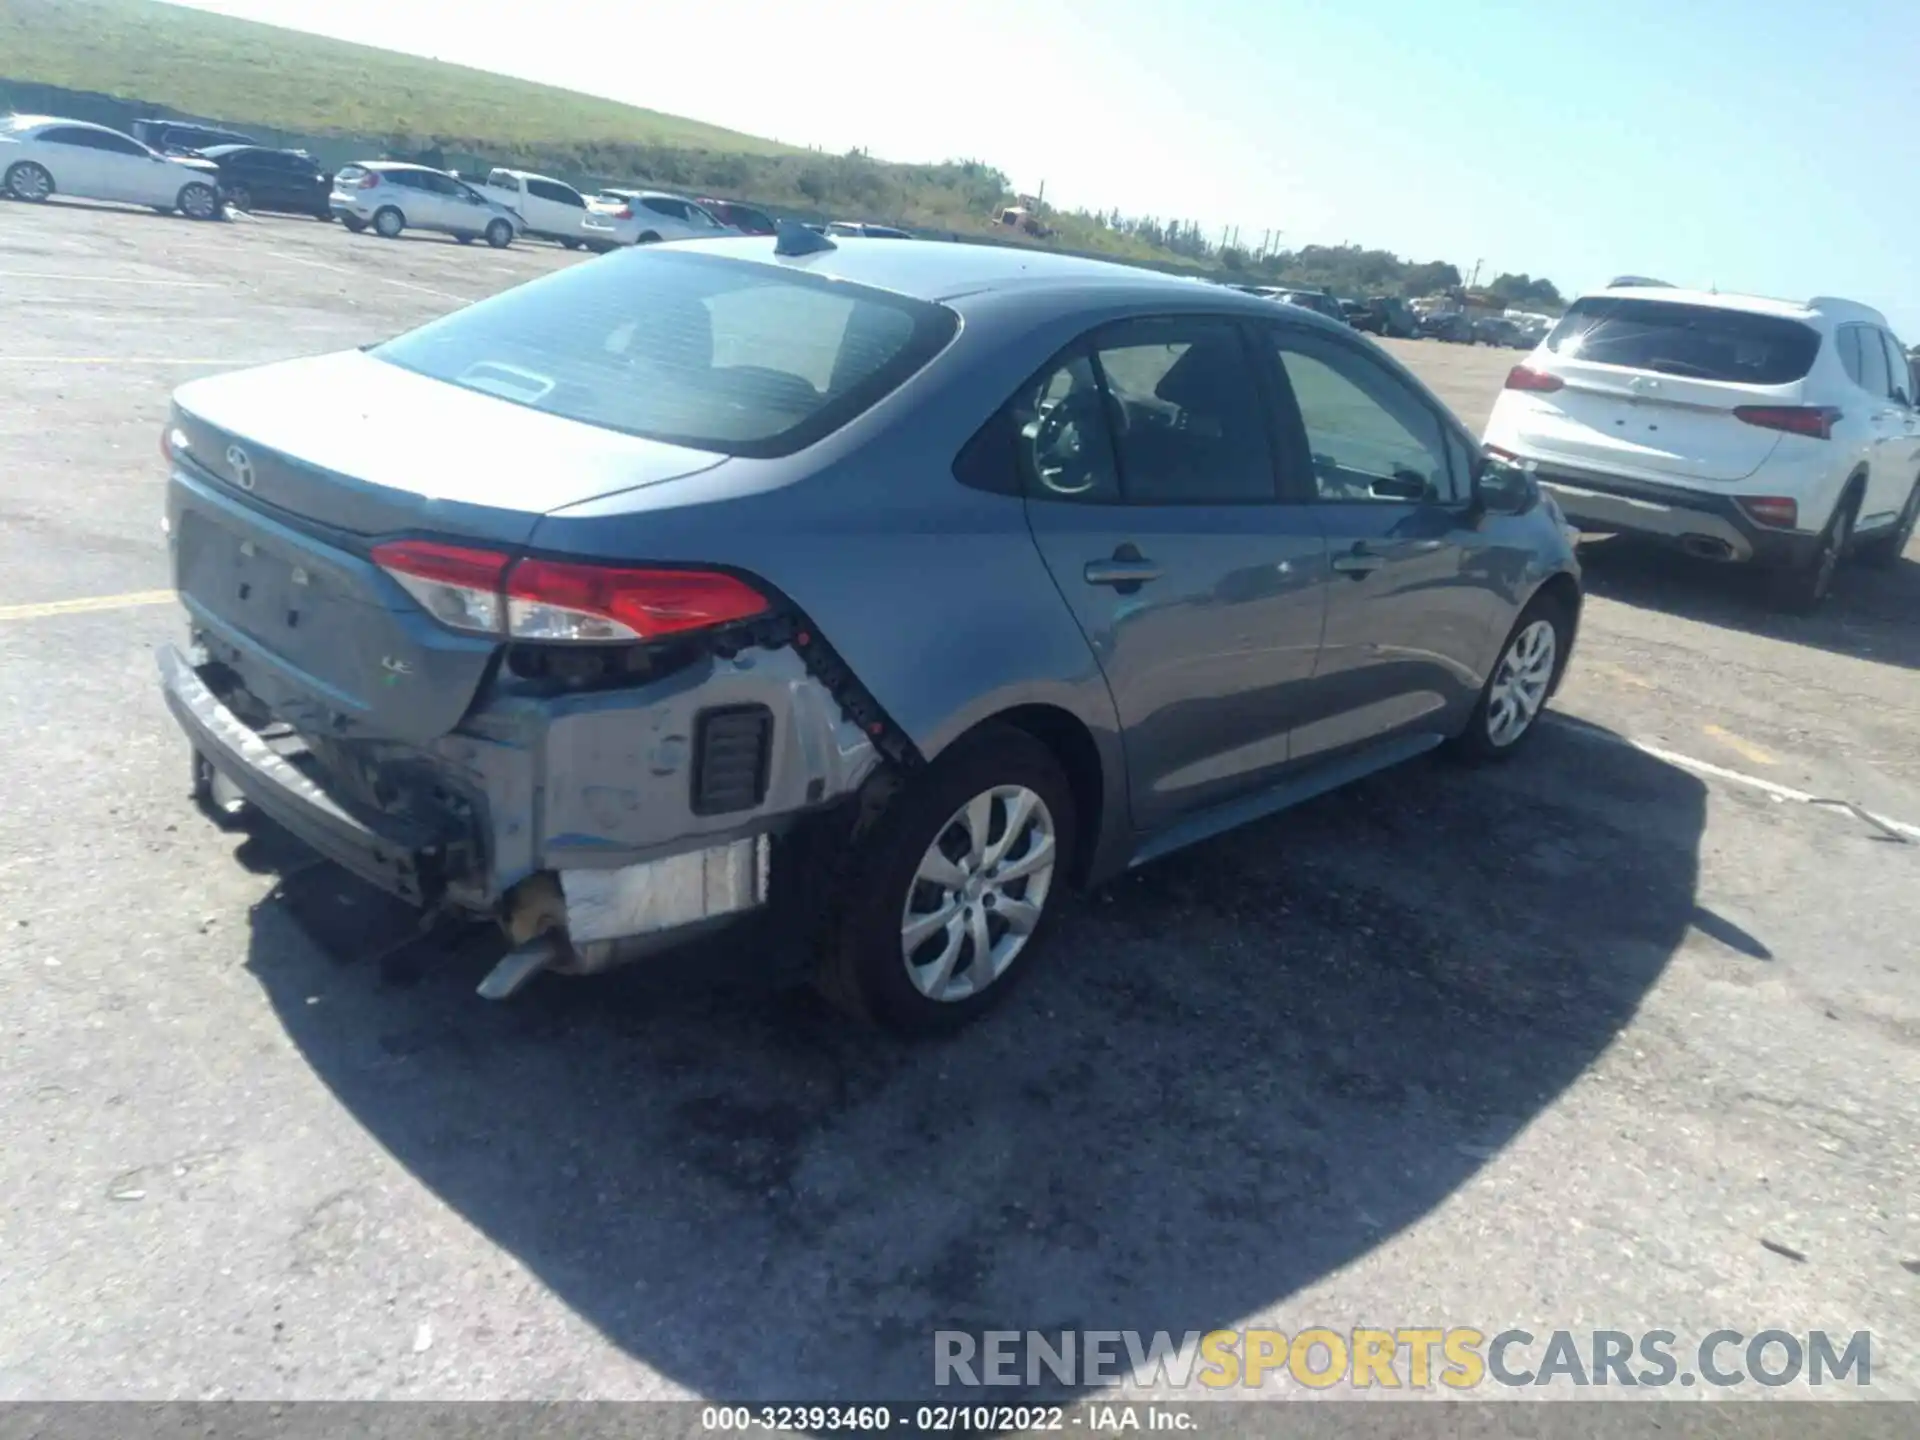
[
  {"x": 465, "y": 239},
  {"x": 388, "y": 223},
  {"x": 1804, "y": 586},
  {"x": 648, "y": 238},
  {"x": 946, "y": 895},
  {"x": 199, "y": 201},
  {"x": 570, "y": 244},
  {"x": 28, "y": 181},
  {"x": 239, "y": 197},
  {"x": 1523, "y": 677},
  {"x": 499, "y": 234},
  {"x": 1884, "y": 550},
  {"x": 354, "y": 226}
]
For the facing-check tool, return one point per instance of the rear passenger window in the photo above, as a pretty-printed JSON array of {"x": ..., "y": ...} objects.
[
  {"x": 1874, "y": 378},
  {"x": 1847, "y": 341},
  {"x": 1900, "y": 380},
  {"x": 1187, "y": 420}
]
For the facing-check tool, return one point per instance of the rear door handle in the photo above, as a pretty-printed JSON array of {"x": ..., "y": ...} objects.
[{"x": 1121, "y": 572}]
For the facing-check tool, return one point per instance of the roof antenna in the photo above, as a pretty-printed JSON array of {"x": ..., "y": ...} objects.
[{"x": 797, "y": 239}]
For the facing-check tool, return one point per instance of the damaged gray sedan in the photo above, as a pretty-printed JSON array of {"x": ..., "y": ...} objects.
[{"x": 861, "y": 597}]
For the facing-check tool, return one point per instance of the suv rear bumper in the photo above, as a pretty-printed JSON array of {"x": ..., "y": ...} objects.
[{"x": 1705, "y": 524}]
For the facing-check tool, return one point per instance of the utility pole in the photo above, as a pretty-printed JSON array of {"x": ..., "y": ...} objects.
[{"x": 1475, "y": 280}]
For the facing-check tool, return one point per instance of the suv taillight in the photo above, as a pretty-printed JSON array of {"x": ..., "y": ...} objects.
[
  {"x": 369, "y": 180},
  {"x": 1523, "y": 378},
  {"x": 625, "y": 212},
  {"x": 484, "y": 592},
  {"x": 1814, "y": 421}
]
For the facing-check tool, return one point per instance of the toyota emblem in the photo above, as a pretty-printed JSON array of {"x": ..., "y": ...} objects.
[{"x": 242, "y": 467}]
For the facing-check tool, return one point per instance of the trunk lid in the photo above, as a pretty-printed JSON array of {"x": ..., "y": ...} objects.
[
  {"x": 289, "y": 475},
  {"x": 1609, "y": 418}
]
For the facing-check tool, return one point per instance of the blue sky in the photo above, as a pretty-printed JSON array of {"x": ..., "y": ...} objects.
[{"x": 1772, "y": 145}]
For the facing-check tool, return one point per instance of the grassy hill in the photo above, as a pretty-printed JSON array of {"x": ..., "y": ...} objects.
[
  {"x": 124, "y": 58},
  {"x": 217, "y": 66}
]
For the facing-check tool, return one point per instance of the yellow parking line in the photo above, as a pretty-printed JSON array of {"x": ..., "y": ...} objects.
[
  {"x": 83, "y": 606},
  {"x": 1745, "y": 749}
]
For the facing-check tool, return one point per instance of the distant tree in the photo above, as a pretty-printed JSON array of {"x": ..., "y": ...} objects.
[
  {"x": 1233, "y": 258},
  {"x": 1429, "y": 278}
]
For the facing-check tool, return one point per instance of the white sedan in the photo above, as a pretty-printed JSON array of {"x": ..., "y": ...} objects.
[
  {"x": 642, "y": 217},
  {"x": 42, "y": 156}
]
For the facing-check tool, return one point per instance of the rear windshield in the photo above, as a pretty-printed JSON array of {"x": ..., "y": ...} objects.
[
  {"x": 1699, "y": 341},
  {"x": 695, "y": 350}
]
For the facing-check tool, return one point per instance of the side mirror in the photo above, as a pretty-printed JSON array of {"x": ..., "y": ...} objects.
[{"x": 1503, "y": 488}]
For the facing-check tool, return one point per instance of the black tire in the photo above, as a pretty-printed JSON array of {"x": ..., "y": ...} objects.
[
  {"x": 1481, "y": 740},
  {"x": 199, "y": 201},
  {"x": 388, "y": 222},
  {"x": 500, "y": 234},
  {"x": 355, "y": 226},
  {"x": 569, "y": 243},
  {"x": 28, "y": 181},
  {"x": 1802, "y": 588},
  {"x": 649, "y": 238},
  {"x": 239, "y": 197},
  {"x": 464, "y": 239},
  {"x": 861, "y": 967},
  {"x": 1885, "y": 550}
]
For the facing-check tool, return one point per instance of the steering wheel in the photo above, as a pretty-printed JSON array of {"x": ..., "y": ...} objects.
[{"x": 1062, "y": 460}]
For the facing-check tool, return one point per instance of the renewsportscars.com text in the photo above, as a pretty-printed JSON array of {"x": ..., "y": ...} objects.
[{"x": 1455, "y": 1357}]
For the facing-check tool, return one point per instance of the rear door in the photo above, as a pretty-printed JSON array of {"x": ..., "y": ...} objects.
[
  {"x": 1648, "y": 388},
  {"x": 1893, "y": 480},
  {"x": 1872, "y": 421},
  {"x": 1416, "y": 583},
  {"x": 78, "y": 165},
  {"x": 1152, "y": 496}
]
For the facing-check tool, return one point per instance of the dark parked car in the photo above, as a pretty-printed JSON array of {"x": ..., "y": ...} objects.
[
  {"x": 253, "y": 177},
  {"x": 177, "y": 137},
  {"x": 636, "y": 644},
  {"x": 1317, "y": 301},
  {"x": 1450, "y": 325},
  {"x": 1387, "y": 315},
  {"x": 1496, "y": 330},
  {"x": 744, "y": 218}
]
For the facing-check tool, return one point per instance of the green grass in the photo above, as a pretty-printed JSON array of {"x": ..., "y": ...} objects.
[
  {"x": 345, "y": 102},
  {"x": 217, "y": 66}
]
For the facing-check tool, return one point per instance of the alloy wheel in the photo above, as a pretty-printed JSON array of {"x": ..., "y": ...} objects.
[
  {"x": 978, "y": 893},
  {"x": 1521, "y": 682},
  {"x": 29, "y": 182}
]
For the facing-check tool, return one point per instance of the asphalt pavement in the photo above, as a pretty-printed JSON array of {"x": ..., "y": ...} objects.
[{"x": 1623, "y": 1035}]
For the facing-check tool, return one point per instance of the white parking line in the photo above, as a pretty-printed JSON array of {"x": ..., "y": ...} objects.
[
  {"x": 369, "y": 275},
  {"x": 110, "y": 280},
  {"x": 1898, "y": 828}
]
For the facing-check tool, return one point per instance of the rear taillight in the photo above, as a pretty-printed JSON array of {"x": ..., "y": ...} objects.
[
  {"x": 1523, "y": 378},
  {"x": 460, "y": 588},
  {"x": 557, "y": 600},
  {"x": 625, "y": 212},
  {"x": 1776, "y": 510},
  {"x": 1814, "y": 421},
  {"x": 369, "y": 180},
  {"x": 483, "y": 592}
]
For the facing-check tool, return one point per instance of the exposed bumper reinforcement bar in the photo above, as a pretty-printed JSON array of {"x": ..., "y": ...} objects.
[{"x": 400, "y": 861}]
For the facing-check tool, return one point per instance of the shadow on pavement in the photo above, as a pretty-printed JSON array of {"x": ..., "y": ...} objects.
[
  {"x": 1238, "y": 1070},
  {"x": 1869, "y": 615}
]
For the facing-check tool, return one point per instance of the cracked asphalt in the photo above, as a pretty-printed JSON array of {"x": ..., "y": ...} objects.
[{"x": 1595, "y": 1040}]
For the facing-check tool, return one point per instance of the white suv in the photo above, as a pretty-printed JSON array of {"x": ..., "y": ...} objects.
[{"x": 1738, "y": 428}]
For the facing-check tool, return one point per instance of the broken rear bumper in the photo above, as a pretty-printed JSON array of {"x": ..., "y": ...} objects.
[{"x": 401, "y": 859}]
